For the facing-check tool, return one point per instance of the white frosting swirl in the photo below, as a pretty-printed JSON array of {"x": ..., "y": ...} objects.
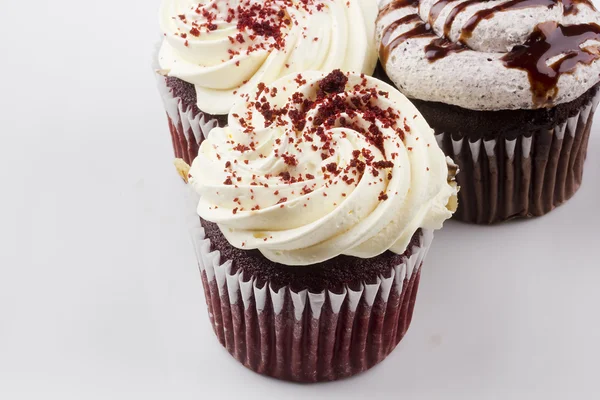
[
  {"x": 477, "y": 77},
  {"x": 226, "y": 47},
  {"x": 305, "y": 185}
]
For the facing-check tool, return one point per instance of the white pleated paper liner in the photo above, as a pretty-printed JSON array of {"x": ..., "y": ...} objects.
[
  {"x": 187, "y": 128},
  {"x": 529, "y": 176},
  {"x": 304, "y": 336}
]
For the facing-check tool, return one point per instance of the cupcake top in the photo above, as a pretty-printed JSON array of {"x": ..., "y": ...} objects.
[
  {"x": 491, "y": 55},
  {"x": 315, "y": 166},
  {"x": 226, "y": 47}
]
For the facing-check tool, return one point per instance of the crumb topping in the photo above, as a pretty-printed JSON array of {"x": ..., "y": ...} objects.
[
  {"x": 310, "y": 122},
  {"x": 260, "y": 24}
]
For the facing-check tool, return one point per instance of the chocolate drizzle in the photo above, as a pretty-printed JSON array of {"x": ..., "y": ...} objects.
[
  {"x": 436, "y": 49},
  {"x": 454, "y": 13},
  {"x": 547, "y": 41},
  {"x": 570, "y": 6},
  {"x": 397, "y": 4},
  {"x": 440, "y": 48},
  {"x": 437, "y": 8},
  {"x": 469, "y": 27},
  {"x": 387, "y": 45}
]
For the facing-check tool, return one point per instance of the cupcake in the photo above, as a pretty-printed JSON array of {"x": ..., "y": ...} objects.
[
  {"x": 317, "y": 207},
  {"x": 510, "y": 89},
  {"x": 215, "y": 51}
]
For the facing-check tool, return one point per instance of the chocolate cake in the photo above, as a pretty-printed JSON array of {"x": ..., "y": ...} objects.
[{"x": 514, "y": 111}]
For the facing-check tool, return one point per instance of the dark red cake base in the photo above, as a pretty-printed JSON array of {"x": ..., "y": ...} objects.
[
  {"x": 188, "y": 125},
  {"x": 289, "y": 324}
]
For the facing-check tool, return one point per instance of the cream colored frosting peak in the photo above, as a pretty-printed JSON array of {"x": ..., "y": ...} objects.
[
  {"x": 315, "y": 166},
  {"x": 227, "y": 47}
]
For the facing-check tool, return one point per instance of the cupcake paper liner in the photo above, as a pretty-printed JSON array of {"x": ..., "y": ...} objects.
[
  {"x": 188, "y": 129},
  {"x": 529, "y": 176},
  {"x": 304, "y": 336}
]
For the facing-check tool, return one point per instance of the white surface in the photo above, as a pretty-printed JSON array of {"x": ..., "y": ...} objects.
[{"x": 100, "y": 297}]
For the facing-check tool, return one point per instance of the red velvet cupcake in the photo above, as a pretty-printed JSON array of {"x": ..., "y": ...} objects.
[
  {"x": 317, "y": 207},
  {"x": 214, "y": 51}
]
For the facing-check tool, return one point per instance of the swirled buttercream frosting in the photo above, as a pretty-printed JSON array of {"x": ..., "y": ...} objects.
[
  {"x": 226, "y": 47},
  {"x": 314, "y": 166},
  {"x": 491, "y": 55}
]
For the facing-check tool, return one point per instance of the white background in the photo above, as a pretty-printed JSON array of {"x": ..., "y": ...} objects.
[{"x": 100, "y": 296}]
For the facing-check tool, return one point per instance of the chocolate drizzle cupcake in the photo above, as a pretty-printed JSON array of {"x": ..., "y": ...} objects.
[
  {"x": 215, "y": 51},
  {"x": 510, "y": 88},
  {"x": 317, "y": 207}
]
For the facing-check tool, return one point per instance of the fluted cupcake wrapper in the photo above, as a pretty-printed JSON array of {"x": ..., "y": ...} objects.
[
  {"x": 304, "y": 336},
  {"x": 528, "y": 176},
  {"x": 188, "y": 129}
]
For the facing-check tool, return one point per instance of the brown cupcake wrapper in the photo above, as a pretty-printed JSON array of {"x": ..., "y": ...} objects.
[
  {"x": 529, "y": 176},
  {"x": 188, "y": 129},
  {"x": 304, "y": 336}
]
